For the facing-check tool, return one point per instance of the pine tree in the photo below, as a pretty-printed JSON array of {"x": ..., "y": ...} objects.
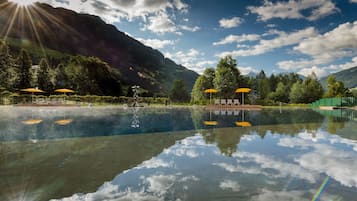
[
  {"x": 43, "y": 76},
  {"x": 7, "y": 72},
  {"x": 23, "y": 65}
]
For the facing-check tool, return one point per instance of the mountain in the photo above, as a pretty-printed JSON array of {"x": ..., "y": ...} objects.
[
  {"x": 66, "y": 32},
  {"x": 348, "y": 77}
]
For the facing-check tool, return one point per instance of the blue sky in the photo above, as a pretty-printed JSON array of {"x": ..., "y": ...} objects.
[{"x": 277, "y": 36}]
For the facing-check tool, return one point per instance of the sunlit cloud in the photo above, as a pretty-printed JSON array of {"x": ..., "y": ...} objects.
[
  {"x": 267, "y": 45},
  {"x": 294, "y": 9},
  {"x": 156, "y": 43},
  {"x": 230, "y": 23}
]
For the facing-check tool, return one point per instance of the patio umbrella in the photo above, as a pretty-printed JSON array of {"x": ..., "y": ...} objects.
[
  {"x": 32, "y": 121},
  {"x": 243, "y": 90},
  {"x": 64, "y": 120},
  {"x": 32, "y": 91},
  {"x": 243, "y": 123},
  {"x": 210, "y": 122},
  {"x": 210, "y": 91},
  {"x": 64, "y": 91}
]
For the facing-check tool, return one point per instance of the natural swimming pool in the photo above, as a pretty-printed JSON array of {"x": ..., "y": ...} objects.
[{"x": 171, "y": 154}]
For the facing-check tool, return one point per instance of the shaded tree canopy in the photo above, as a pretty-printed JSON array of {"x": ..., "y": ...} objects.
[{"x": 178, "y": 92}]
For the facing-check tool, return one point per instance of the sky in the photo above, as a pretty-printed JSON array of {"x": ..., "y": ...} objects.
[{"x": 301, "y": 36}]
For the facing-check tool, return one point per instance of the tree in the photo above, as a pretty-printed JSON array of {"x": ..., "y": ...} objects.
[
  {"x": 227, "y": 77},
  {"x": 203, "y": 82},
  {"x": 281, "y": 93},
  {"x": 335, "y": 88},
  {"x": 178, "y": 92},
  {"x": 263, "y": 85},
  {"x": 23, "y": 65},
  {"x": 8, "y": 73},
  {"x": 43, "y": 76},
  {"x": 297, "y": 90},
  {"x": 313, "y": 89},
  {"x": 61, "y": 78},
  {"x": 307, "y": 91}
]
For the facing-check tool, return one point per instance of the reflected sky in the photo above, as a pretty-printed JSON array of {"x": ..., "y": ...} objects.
[
  {"x": 284, "y": 155},
  {"x": 21, "y": 123},
  {"x": 284, "y": 168}
]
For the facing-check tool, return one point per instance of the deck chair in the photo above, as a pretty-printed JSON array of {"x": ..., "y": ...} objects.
[
  {"x": 236, "y": 102},
  {"x": 229, "y": 102},
  {"x": 216, "y": 102},
  {"x": 223, "y": 102}
]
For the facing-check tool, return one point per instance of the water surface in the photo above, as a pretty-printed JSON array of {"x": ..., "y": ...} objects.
[{"x": 170, "y": 154}]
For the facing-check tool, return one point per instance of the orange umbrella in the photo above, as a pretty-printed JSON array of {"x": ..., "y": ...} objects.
[
  {"x": 64, "y": 90},
  {"x": 63, "y": 122},
  {"x": 243, "y": 123},
  {"x": 243, "y": 90},
  {"x": 32, "y": 91},
  {"x": 210, "y": 123},
  {"x": 210, "y": 91},
  {"x": 32, "y": 121}
]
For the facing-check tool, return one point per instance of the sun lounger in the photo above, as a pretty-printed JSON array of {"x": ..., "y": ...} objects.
[
  {"x": 229, "y": 102},
  {"x": 216, "y": 102},
  {"x": 223, "y": 102},
  {"x": 236, "y": 112},
  {"x": 236, "y": 102}
]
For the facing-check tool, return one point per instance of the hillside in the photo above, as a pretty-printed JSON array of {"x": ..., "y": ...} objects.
[
  {"x": 70, "y": 33},
  {"x": 348, "y": 77}
]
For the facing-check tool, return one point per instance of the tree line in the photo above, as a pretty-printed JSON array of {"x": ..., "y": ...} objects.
[
  {"x": 285, "y": 88},
  {"x": 85, "y": 75}
]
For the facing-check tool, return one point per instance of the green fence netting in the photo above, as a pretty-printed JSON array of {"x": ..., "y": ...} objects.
[{"x": 336, "y": 102}]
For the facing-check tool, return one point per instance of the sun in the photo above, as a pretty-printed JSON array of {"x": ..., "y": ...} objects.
[{"x": 24, "y": 3}]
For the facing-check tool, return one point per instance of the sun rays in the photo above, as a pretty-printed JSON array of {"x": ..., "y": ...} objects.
[
  {"x": 29, "y": 21},
  {"x": 24, "y": 3}
]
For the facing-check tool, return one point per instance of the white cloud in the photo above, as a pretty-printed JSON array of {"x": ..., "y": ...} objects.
[
  {"x": 247, "y": 70},
  {"x": 229, "y": 185},
  {"x": 347, "y": 65},
  {"x": 192, "y": 59},
  {"x": 283, "y": 39},
  {"x": 280, "y": 195},
  {"x": 154, "y": 163},
  {"x": 114, "y": 11},
  {"x": 188, "y": 28},
  {"x": 161, "y": 23},
  {"x": 156, "y": 43},
  {"x": 294, "y": 9},
  {"x": 335, "y": 162},
  {"x": 353, "y": 1},
  {"x": 156, "y": 15},
  {"x": 264, "y": 164},
  {"x": 230, "y": 23},
  {"x": 337, "y": 43},
  {"x": 159, "y": 184},
  {"x": 320, "y": 72},
  {"x": 180, "y": 5},
  {"x": 237, "y": 39}
]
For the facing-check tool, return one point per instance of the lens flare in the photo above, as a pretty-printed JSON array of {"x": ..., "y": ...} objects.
[{"x": 24, "y": 3}]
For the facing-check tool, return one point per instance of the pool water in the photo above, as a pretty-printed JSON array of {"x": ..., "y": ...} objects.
[{"x": 174, "y": 154}]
